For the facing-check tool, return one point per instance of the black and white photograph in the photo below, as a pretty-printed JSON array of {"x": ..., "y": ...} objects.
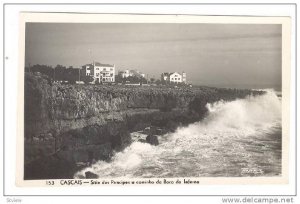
[
  {"x": 149, "y": 103},
  {"x": 152, "y": 100}
]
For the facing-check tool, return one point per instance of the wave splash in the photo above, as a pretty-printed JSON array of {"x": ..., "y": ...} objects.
[
  {"x": 245, "y": 133},
  {"x": 246, "y": 116}
]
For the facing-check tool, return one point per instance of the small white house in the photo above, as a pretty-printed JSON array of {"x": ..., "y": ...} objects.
[
  {"x": 127, "y": 73},
  {"x": 173, "y": 77}
]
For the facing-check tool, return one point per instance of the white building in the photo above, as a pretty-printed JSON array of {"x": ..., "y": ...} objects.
[
  {"x": 87, "y": 69},
  {"x": 104, "y": 72},
  {"x": 183, "y": 77},
  {"x": 100, "y": 72},
  {"x": 173, "y": 77},
  {"x": 127, "y": 73}
]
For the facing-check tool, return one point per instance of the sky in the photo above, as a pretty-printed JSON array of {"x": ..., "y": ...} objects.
[{"x": 211, "y": 54}]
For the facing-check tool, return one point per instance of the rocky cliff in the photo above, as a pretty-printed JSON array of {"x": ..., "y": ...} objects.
[{"x": 69, "y": 124}]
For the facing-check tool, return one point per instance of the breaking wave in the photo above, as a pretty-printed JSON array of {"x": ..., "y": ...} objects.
[{"x": 237, "y": 138}]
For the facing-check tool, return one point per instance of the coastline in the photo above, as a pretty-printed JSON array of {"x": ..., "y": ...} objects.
[{"x": 70, "y": 124}]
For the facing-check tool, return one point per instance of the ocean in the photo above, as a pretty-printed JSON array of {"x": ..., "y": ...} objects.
[{"x": 237, "y": 139}]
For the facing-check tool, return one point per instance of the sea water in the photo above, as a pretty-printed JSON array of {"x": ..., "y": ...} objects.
[{"x": 237, "y": 138}]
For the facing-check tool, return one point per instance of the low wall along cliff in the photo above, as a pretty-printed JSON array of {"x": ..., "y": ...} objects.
[{"x": 66, "y": 125}]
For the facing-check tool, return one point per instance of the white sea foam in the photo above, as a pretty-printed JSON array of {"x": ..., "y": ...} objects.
[
  {"x": 226, "y": 140},
  {"x": 245, "y": 115}
]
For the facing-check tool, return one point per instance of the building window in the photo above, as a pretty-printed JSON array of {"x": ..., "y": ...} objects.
[
  {"x": 111, "y": 69},
  {"x": 104, "y": 69},
  {"x": 97, "y": 74}
]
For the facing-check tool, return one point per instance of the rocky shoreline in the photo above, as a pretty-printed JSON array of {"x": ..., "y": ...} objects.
[{"x": 70, "y": 126}]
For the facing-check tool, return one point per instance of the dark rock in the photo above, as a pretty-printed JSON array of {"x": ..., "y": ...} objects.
[
  {"x": 90, "y": 175},
  {"x": 146, "y": 130},
  {"x": 157, "y": 130},
  {"x": 172, "y": 126},
  {"x": 142, "y": 141},
  {"x": 86, "y": 153},
  {"x": 150, "y": 130},
  {"x": 152, "y": 139},
  {"x": 141, "y": 126},
  {"x": 50, "y": 167},
  {"x": 161, "y": 131},
  {"x": 153, "y": 130}
]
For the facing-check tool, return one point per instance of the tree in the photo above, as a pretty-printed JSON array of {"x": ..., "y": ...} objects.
[
  {"x": 143, "y": 80},
  {"x": 152, "y": 80},
  {"x": 72, "y": 75},
  {"x": 163, "y": 82},
  {"x": 87, "y": 79},
  {"x": 158, "y": 82},
  {"x": 60, "y": 73},
  {"x": 119, "y": 79},
  {"x": 43, "y": 69}
]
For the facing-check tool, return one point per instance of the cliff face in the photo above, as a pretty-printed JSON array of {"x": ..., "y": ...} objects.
[{"x": 81, "y": 123}]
